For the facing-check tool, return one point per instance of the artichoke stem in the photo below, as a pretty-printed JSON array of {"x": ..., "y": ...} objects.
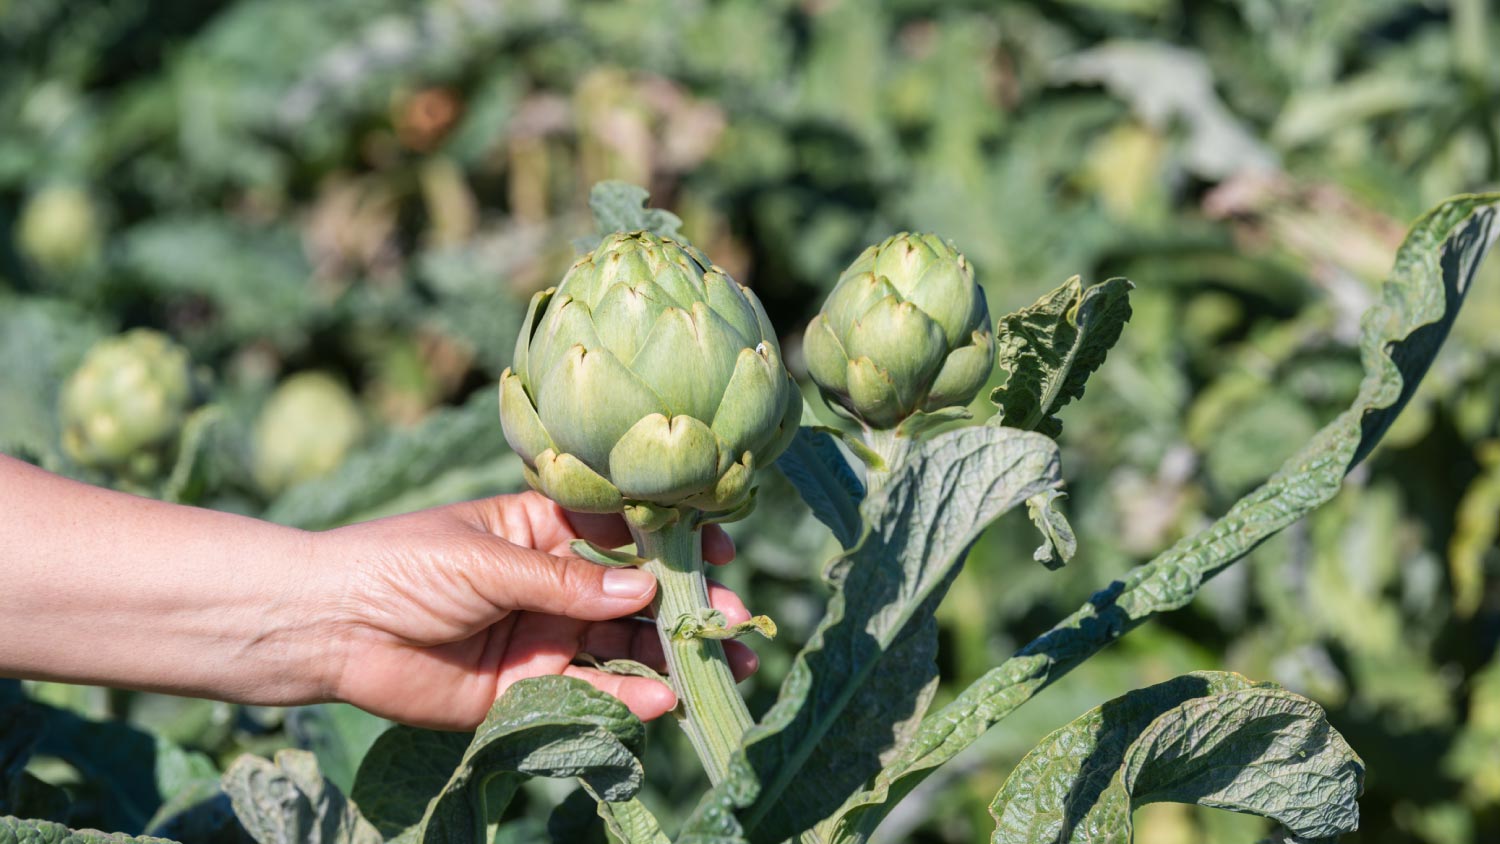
[
  {"x": 711, "y": 711},
  {"x": 893, "y": 449}
]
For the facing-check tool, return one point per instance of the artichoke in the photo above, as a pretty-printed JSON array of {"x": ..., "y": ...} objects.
[
  {"x": 906, "y": 329},
  {"x": 305, "y": 430},
  {"x": 59, "y": 228},
  {"x": 647, "y": 377},
  {"x": 126, "y": 401}
]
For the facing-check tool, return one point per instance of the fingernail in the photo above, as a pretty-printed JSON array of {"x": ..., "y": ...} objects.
[{"x": 627, "y": 583}]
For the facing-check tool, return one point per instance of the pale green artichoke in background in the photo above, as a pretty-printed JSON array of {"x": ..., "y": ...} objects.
[
  {"x": 307, "y": 427},
  {"x": 126, "y": 401},
  {"x": 648, "y": 376},
  {"x": 906, "y": 329},
  {"x": 59, "y": 228}
]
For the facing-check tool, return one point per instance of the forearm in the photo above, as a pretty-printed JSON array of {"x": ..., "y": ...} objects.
[{"x": 106, "y": 588}]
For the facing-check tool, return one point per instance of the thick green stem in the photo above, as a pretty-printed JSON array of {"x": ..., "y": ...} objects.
[
  {"x": 712, "y": 712},
  {"x": 892, "y": 449}
]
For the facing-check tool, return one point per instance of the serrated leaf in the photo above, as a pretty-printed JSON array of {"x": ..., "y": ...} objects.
[
  {"x": 1058, "y": 543},
  {"x": 290, "y": 801},
  {"x": 1401, "y": 335},
  {"x": 853, "y": 690},
  {"x": 621, "y": 207},
  {"x": 17, "y": 831},
  {"x": 1209, "y": 738},
  {"x": 546, "y": 726},
  {"x": 1051, "y": 348},
  {"x": 816, "y": 467}
]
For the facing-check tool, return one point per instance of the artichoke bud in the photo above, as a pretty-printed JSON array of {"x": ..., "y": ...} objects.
[
  {"x": 126, "y": 402},
  {"x": 306, "y": 429},
  {"x": 906, "y": 329},
  {"x": 647, "y": 379}
]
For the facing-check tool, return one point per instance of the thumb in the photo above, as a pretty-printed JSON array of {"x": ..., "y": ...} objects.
[{"x": 524, "y": 579}]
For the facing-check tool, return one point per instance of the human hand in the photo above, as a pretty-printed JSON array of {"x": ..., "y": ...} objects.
[{"x": 441, "y": 610}]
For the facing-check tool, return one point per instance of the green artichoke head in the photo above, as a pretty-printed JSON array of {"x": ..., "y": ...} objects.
[
  {"x": 126, "y": 400},
  {"x": 906, "y": 329},
  {"x": 647, "y": 379},
  {"x": 306, "y": 429}
]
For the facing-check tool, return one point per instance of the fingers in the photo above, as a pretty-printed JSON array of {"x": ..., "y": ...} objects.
[
  {"x": 718, "y": 548},
  {"x": 646, "y": 698},
  {"x": 516, "y": 578}
]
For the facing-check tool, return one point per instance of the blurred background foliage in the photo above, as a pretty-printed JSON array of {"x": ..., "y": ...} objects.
[{"x": 339, "y": 209}]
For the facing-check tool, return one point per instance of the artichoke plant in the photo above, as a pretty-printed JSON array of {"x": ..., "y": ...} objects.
[
  {"x": 125, "y": 402},
  {"x": 648, "y": 380},
  {"x": 650, "y": 383},
  {"x": 906, "y": 329}
]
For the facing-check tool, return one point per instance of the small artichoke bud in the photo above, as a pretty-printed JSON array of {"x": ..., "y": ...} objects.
[
  {"x": 126, "y": 401},
  {"x": 306, "y": 429},
  {"x": 648, "y": 378},
  {"x": 59, "y": 228},
  {"x": 906, "y": 329}
]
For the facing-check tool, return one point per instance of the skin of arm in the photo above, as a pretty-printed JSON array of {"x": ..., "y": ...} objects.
[{"x": 423, "y": 618}]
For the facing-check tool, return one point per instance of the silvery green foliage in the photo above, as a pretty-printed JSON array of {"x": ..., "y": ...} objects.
[
  {"x": 290, "y": 802},
  {"x": 1210, "y": 738},
  {"x": 426, "y": 786},
  {"x": 1051, "y": 348},
  {"x": 621, "y": 207},
  {"x": 17, "y": 831},
  {"x": 1401, "y": 336},
  {"x": 854, "y": 690}
]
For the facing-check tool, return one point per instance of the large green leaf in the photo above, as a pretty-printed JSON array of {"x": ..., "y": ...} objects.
[
  {"x": 1401, "y": 335},
  {"x": 816, "y": 467},
  {"x": 339, "y": 735},
  {"x": 1210, "y": 738},
  {"x": 290, "y": 801},
  {"x": 402, "y": 771},
  {"x": 1051, "y": 348},
  {"x": 853, "y": 691},
  {"x": 434, "y": 787},
  {"x": 17, "y": 831}
]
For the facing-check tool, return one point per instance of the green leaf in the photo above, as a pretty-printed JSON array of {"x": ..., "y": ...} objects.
[
  {"x": 1058, "y": 543},
  {"x": 816, "y": 467},
  {"x": 290, "y": 801},
  {"x": 1209, "y": 738},
  {"x": 854, "y": 690},
  {"x": 338, "y": 734},
  {"x": 1051, "y": 348},
  {"x": 1401, "y": 335},
  {"x": 1475, "y": 531},
  {"x": 621, "y": 207},
  {"x": 51, "y": 337},
  {"x": 402, "y": 771},
  {"x": 17, "y": 831},
  {"x": 547, "y": 726},
  {"x": 629, "y": 822},
  {"x": 601, "y": 556}
]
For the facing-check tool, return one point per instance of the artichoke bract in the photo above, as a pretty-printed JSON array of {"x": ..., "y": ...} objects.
[
  {"x": 906, "y": 329},
  {"x": 127, "y": 399},
  {"x": 647, "y": 377}
]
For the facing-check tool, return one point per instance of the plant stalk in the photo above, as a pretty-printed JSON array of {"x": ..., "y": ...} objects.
[
  {"x": 892, "y": 448},
  {"x": 711, "y": 711}
]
